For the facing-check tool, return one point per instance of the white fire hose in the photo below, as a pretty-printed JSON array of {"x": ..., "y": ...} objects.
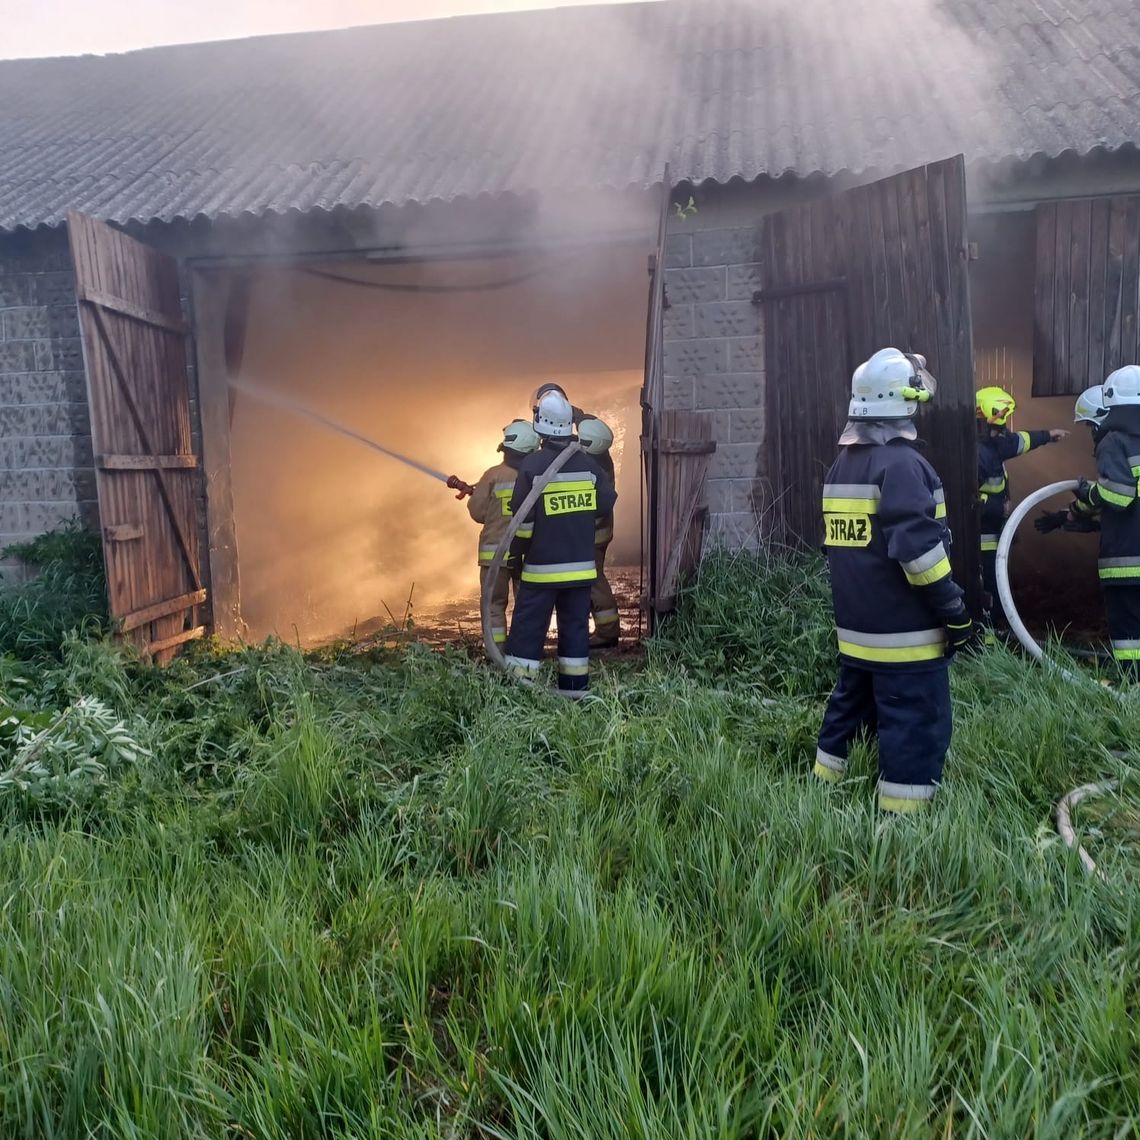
[
  {"x": 1087, "y": 791},
  {"x": 494, "y": 652}
]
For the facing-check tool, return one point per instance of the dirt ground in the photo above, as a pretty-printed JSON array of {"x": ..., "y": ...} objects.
[{"x": 456, "y": 622}]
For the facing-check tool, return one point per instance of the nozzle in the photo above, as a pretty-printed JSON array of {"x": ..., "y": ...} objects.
[{"x": 457, "y": 484}]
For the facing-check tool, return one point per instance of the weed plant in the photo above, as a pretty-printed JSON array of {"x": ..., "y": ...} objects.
[{"x": 394, "y": 896}]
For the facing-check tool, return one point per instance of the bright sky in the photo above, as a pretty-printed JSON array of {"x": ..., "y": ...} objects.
[{"x": 71, "y": 27}]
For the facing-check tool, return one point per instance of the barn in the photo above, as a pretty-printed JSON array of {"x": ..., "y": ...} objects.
[{"x": 696, "y": 214}]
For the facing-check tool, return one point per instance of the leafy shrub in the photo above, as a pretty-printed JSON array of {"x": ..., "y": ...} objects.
[{"x": 67, "y": 592}]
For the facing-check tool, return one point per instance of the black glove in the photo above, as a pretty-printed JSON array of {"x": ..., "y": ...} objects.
[
  {"x": 962, "y": 635},
  {"x": 1084, "y": 489},
  {"x": 1082, "y": 524},
  {"x": 1050, "y": 521}
]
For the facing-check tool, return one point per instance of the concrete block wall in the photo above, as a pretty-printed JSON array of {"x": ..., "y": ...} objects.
[
  {"x": 714, "y": 363},
  {"x": 47, "y": 473}
]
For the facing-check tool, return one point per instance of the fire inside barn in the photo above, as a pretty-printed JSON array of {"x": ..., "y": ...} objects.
[{"x": 415, "y": 269}]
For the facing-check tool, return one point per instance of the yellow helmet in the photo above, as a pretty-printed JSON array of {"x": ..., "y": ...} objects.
[{"x": 995, "y": 406}]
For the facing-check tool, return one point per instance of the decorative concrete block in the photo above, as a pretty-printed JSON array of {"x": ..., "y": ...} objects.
[
  {"x": 746, "y": 354},
  {"x": 727, "y": 247},
  {"x": 56, "y": 288},
  {"x": 679, "y": 393},
  {"x": 744, "y": 280},
  {"x": 695, "y": 357},
  {"x": 728, "y": 319},
  {"x": 735, "y": 461},
  {"x": 737, "y": 531},
  {"x": 26, "y": 323},
  {"x": 63, "y": 355},
  {"x": 730, "y": 390},
  {"x": 678, "y": 251},
  {"x": 679, "y": 322},
  {"x": 17, "y": 356},
  {"x": 692, "y": 286},
  {"x": 746, "y": 426}
]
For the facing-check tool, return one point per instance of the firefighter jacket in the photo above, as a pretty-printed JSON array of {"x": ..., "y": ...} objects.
[
  {"x": 888, "y": 551},
  {"x": 557, "y": 539},
  {"x": 604, "y": 528},
  {"x": 1114, "y": 497},
  {"x": 491, "y": 504},
  {"x": 993, "y": 479}
]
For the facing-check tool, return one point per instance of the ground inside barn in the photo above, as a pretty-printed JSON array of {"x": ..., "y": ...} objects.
[{"x": 456, "y": 621}]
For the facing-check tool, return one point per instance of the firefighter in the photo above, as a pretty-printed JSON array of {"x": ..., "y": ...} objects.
[
  {"x": 597, "y": 439},
  {"x": 490, "y": 504},
  {"x": 898, "y": 611},
  {"x": 994, "y": 408},
  {"x": 556, "y": 546},
  {"x": 1113, "y": 498}
]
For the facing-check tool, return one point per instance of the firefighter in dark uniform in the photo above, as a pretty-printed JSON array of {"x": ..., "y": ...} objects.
[
  {"x": 1113, "y": 498},
  {"x": 597, "y": 438},
  {"x": 556, "y": 545},
  {"x": 898, "y": 611},
  {"x": 994, "y": 408}
]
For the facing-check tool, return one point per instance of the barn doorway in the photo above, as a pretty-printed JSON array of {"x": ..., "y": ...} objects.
[{"x": 431, "y": 359}]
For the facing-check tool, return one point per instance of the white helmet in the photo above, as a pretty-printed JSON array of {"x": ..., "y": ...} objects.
[
  {"x": 1122, "y": 387},
  {"x": 553, "y": 416},
  {"x": 595, "y": 436},
  {"x": 1090, "y": 407},
  {"x": 890, "y": 386},
  {"x": 520, "y": 437}
]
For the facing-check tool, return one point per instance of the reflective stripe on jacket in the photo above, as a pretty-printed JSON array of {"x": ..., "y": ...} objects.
[
  {"x": 888, "y": 551},
  {"x": 1114, "y": 497}
]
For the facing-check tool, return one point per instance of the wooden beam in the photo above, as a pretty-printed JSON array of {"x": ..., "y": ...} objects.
[
  {"x": 161, "y": 610},
  {"x": 686, "y": 446},
  {"x": 145, "y": 462},
  {"x": 153, "y": 647},
  {"x": 779, "y": 292},
  {"x": 210, "y": 293},
  {"x": 135, "y": 312},
  {"x": 125, "y": 532}
]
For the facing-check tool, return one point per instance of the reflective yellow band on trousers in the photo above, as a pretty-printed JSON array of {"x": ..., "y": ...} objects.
[
  {"x": 574, "y": 666},
  {"x": 916, "y": 645},
  {"x": 1126, "y": 650},
  {"x": 993, "y": 486},
  {"x": 559, "y": 572},
  {"x": 905, "y": 797},
  {"x": 1117, "y": 569},
  {"x": 990, "y": 541}
]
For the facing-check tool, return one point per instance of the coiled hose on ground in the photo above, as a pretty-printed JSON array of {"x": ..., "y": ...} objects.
[{"x": 1087, "y": 791}]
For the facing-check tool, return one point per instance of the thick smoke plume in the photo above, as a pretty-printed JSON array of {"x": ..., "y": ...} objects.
[{"x": 333, "y": 536}]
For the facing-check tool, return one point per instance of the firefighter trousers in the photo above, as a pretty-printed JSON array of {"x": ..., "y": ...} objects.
[
  {"x": 530, "y": 621},
  {"x": 603, "y": 604},
  {"x": 1122, "y": 604},
  {"x": 499, "y": 599},
  {"x": 989, "y": 581},
  {"x": 909, "y": 711}
]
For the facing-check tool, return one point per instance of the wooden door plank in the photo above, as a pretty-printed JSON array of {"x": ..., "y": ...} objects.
[
  {"x": 1130, "y": 288},
  {"x": 1080, "y": 236},
  {"x": 1098, "y": 265},
  {"x": 1114, "y": 285},
  {"x": 145, "y": 462},
  {"x": 162, "y": 609},
  {"x": 1044, "y": 356},
  {"x": 1062, "y": 290}
]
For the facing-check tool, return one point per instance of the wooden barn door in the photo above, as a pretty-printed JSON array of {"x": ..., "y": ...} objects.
[
  {"x": 676, "y": 448},
  {"x": 881, "y": 265},
  {"x": 138, "y": 391}
]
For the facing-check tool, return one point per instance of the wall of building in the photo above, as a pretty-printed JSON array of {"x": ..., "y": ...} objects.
[{"x": 46, "y": 470}]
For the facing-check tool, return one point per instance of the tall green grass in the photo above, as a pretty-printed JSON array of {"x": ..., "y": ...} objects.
[{"x": 398, "y": 897}]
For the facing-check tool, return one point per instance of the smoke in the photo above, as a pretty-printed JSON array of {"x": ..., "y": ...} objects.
[{"x": 334, "y": 537}]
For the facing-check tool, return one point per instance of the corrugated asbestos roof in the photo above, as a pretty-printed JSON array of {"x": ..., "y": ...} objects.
[{"x": 578, "y": 98}]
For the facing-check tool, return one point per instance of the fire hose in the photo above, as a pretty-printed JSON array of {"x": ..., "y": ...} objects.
[
  {"x": 494, "y": 652},
  {"x": 1087, "y": 791}
]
